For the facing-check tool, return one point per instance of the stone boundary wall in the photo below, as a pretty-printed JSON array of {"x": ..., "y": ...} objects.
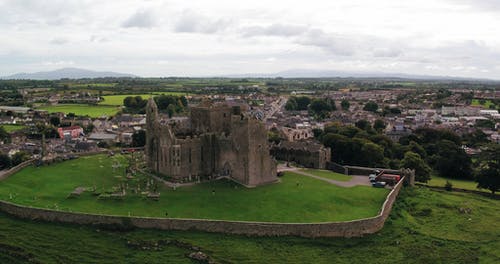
[
  {"x": 356, "y": 170},
  {"x": 355, "y": 228},
  {"x": 5, "y": 174},
  {"x": 335, "y": 167}
]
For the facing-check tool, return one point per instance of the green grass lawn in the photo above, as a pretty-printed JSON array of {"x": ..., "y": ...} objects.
[
  {"x": 12, "y": 128},
  {"x": 82, "y": 110},
  {"x": 118, "y": 99},
  {"x": 328, "y": 174},
  {"x": 487, "y": 103},
  {"x": 425, "y": 226},
  {"x": 311, "y": 201},
  {"x": 462, "y": 184}
]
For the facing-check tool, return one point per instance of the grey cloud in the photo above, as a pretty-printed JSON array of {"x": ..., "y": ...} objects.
[
  {"x": 56, "y": 12},
  {"x": 141, "y": 19},
  {"x": 191, "y": 22},
  {"x": 280, "y": 30},
  {"x": 59, "y": 41},
  {"x": 484, "y": 5},
  {"x": 333, "y": 43},
  {"x": 95, "y": 38},
  {"x": 387, "y": 52}
]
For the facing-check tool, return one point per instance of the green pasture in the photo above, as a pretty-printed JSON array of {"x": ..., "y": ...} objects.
[
  {"x": 295, "y": 199},
  {"x": 12, "y": 128},
  {"x": 82, "y": 109}
]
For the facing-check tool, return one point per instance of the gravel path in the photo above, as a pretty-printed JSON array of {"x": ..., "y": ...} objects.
[{"x": 355, "y": 180}]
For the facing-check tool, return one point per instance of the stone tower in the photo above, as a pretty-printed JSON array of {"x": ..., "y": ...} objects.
[{"x": 152, "y": 135}]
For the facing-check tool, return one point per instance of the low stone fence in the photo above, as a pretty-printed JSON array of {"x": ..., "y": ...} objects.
[
  {"x": 357, "y": 170},
  {"x": 353, "y": 228},
  {"x": 7, "y": 173},
  {"x": 335, "y": 167}
]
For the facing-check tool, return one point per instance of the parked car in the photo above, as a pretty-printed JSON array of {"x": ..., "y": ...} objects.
[
  {"x": 378, "y": 184},
  {"x": 372, "y": 177}
]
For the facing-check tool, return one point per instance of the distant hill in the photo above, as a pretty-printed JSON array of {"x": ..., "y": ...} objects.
[
  {"x": 66, "y": 73},
  {"x": 304, "y": 73}
]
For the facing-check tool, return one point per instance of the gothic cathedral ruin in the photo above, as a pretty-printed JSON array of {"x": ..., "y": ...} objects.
[{"x": 217, "y": 140}]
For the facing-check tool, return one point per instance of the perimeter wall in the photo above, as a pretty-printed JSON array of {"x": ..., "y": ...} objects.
[{"x": 354, "y": 228}]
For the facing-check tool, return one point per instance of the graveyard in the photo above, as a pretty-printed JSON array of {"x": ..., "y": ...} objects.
[{"x": 116, "y": 185}]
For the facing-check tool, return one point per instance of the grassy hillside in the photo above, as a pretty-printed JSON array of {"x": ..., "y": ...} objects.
[
  {"x": 457, "y": 183},
  {"x": 425, "y": 226}
]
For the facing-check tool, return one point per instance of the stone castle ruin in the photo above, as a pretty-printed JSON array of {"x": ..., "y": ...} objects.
[{"x": 216, "y": 141}]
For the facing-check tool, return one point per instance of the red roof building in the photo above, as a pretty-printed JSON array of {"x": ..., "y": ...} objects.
[{"x": 70, "y": 132}]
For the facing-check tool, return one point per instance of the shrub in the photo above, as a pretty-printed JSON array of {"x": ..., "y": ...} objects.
[{"x": 448, "y": 186}]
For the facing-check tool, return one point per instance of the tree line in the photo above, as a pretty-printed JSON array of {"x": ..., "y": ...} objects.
[
  {"x": 320, "y": 108},
  {"x": 169, "y": 104},
  {"x": 426, "y": 150}
]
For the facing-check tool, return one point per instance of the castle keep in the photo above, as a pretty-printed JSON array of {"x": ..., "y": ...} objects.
[{"x": 218, "y": 140}]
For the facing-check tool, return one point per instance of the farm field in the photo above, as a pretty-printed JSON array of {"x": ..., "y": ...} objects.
[
  {"x": 83, "y": 110},
  {"x": 295, "y": 199},
  {"x": 425, "y": 226},
  {"x": 328, "y": 174},
  {"x": 118, "y": 99}
]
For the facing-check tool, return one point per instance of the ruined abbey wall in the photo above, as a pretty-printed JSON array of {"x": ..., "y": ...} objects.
[{"x": 221, "y": 142}]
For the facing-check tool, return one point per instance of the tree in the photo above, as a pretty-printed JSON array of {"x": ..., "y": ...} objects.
[
  {"x": 55, "y": 120},
  {"x": 379, "y": 125},
  {"x": 345, "y": 105},
  {"x": 321, "y": 107},
  {"x": 291, "y": 104},
  {"x": 302, "y": 102},
  {"x": 488, "y": 174},
  {"x": 451, "y": 161},
  {"x": 184, "y": 101},
  {"x": 373, "y": 155},
  {"x": 413, "y": 161},
  {"x": 363, "y": 124},
  {"x": 4, "y": 136},
  {"x": 170, "y": 110},
  {"x": 5, "y": 161},
  {"x": 88, "y": 129},
  {"x": 130, "y": 101},
  {"x": 488, "y": 177},
  {"x": 139, "y": 138},
  {"x": 371, "y": 106},
  {"x": 19, "y": 158}
]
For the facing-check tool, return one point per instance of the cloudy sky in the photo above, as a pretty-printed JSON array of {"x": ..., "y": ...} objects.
[{"x": 205, "y": 37}]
